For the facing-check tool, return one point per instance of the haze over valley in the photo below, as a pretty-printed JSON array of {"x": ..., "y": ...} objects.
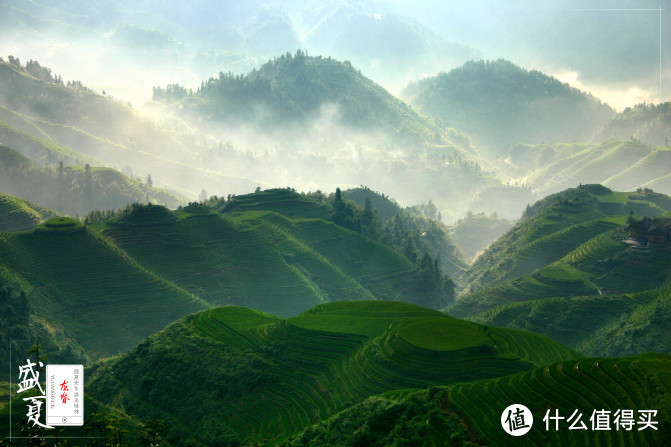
[{"x": 354, "y": 223}]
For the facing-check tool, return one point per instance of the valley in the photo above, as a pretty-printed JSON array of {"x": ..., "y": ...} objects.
[{"x": 367, "y": 223}]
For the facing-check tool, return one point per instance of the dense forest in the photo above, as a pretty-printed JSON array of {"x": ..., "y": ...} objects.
[
  {"x": 499, "y": 104},
  {"x": 306, "y": 224},
  {"x": 75, "y": 190}
]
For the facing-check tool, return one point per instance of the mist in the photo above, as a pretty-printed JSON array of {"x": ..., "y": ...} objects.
[{"x": 124, "y": 51}]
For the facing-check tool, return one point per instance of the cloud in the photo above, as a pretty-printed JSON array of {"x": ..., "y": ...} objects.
[{"x": 617, "y": 95}]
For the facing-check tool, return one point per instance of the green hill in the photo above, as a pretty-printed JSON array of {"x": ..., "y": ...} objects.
[
  {"x": 79, "y": 284},
  {"x": 279, "y": 376},
  {"x": 470, "y": 414},
  {"x": 294, "y": 88},
  {"x": 266, "y": 260},
  {"x": 499, "y": 104},
  {"x": 20, "y": 215},
  {"x": 411, "y": 230},
  {"x": 75, "y": 189},
  {"x": 648, "y": 123},
  {"x": 578, "y": 279},
  {"x": 554, "y": 226},
  {"x": 49, "y": 121},
  {"x": 620, "y": 165}
]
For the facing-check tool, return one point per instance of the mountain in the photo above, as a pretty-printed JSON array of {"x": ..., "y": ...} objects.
[
  {"x": 470, "y": 412},
  {"x": 48, "y": 120},
  {"x": 159, "y": 265},
  {"x": 76, "y": 189},
  {"x": 621, "y": 165},
  {"x": 499, "y": 104},
  {"x": 279, "y": 376},
  {"x": 294, "y": 88},
  {"x": 646, "y": 123},
  {"x": 329, "y": 126},
  {"x": 20, "y": 215},
  {"x": 572, "y": 269},
  {"x": 78, "y": 284},
  {"x": 344, "y": 130},
  {"x": 475, "y": 232}
]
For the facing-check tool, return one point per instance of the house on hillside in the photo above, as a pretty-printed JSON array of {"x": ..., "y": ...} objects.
[
  {"x": 653, "y": 232},
  {"x": 638, "y": 230},
  {"x": 656, "y": 234}
]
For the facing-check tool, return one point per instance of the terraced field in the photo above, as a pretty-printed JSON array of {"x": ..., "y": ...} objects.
[
  {"x": 618, "y": 164},
  {"x": 302, "y": 370},
  {"x": 594, "y": 325},
  {"x": 20, "y": 215},
  {"x": 565, "y": 221},
  {"x": 264, "y": 260},
  {"x": 470, "y": 413},
  {"x": 602, "y": 266},
  {"x": 281, "y": 201},
  {"x": 652, "y": 166},
  {"x": 587, "y": 385},
  {"x": 106, "y": 300},
  {"x": 220, "y": 262}
]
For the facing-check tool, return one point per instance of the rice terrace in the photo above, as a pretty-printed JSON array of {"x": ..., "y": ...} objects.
[{"x": 362, "y": 223}]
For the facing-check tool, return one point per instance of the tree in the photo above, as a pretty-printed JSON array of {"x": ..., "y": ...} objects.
[
  {"x": 36, "y": 349},
  {"x": 149, "y": 184},
  {"x": 151, "y": 431}
]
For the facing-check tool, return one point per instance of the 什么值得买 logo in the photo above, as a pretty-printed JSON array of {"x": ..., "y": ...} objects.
[{"x": 517, "y": 420}]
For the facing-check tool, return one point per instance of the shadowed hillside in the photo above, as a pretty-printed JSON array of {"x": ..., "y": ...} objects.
[
  {"x": 279, "y": 376},
  {"x": 471, "y": 412},
  {"x": 20, "y": 215}
]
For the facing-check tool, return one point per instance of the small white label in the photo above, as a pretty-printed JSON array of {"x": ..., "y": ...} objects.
[{"x": 65, "y": 395}]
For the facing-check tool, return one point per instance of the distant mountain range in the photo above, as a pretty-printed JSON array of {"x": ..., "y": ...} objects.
[
  {"x": 644, "y": 123},
  {"x": 215, "y": 261},
  {"x": 499, "y": 104}
]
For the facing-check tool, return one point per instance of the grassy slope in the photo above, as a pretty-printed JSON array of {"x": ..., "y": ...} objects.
[
  {"x": 20, "y": 215},
  {"x": 48, "y": 122},
  {"x": 553, "y": 227},
  {"x": 265, "y": 260},
  {"x": 600, "y": 296},
  {"x": 90, "y": 288},
  {"x": 469, "y": 413},
  {"x": 280, "y": 376},
  {"x": 620, "y": 165},
  {"x": 637, "y": 383}
]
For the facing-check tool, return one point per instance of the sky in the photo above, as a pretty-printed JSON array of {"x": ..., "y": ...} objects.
[{"x": 615, "y": 49}]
